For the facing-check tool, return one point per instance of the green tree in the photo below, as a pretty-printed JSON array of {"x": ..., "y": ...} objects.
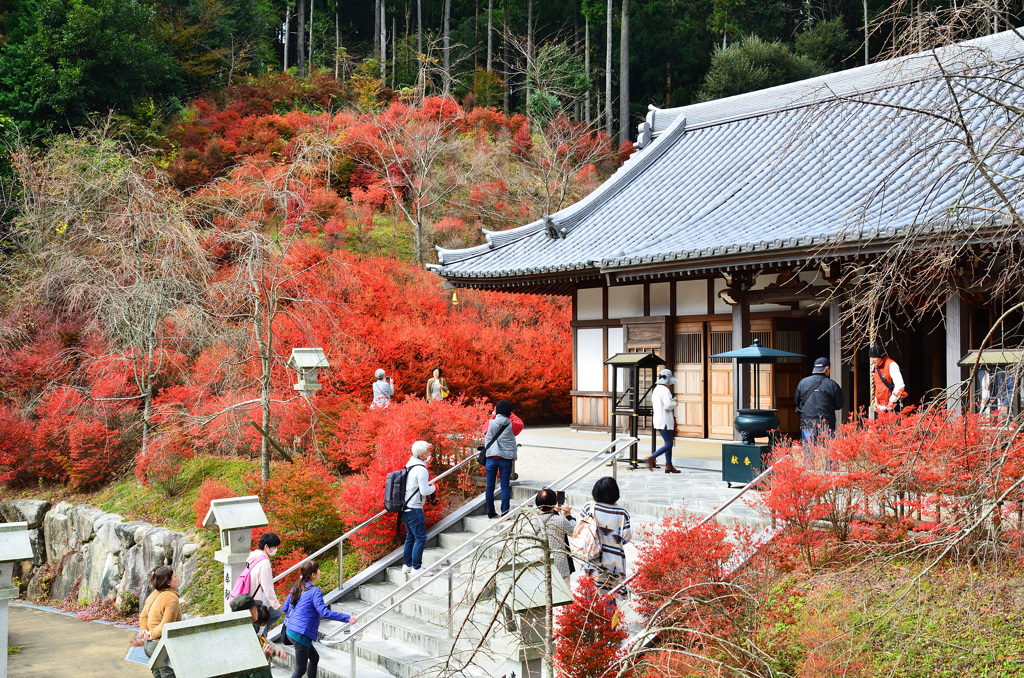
[
  {"x": 753, "y": 64},
  {"x": 76, "y": 57},
  {"x": 826, "y": 42}
]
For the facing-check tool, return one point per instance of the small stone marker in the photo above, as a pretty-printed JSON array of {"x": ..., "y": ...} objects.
[
  {"x": 14, "y": 547},
  {"x": 220, "y": 646},
  {"x": 236, "y": 517}
]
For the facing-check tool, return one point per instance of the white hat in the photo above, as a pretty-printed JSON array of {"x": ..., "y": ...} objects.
[{"x": 665, "y": 377}]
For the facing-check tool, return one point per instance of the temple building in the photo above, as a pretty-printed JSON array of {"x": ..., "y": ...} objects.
[{"x": 739, "y": 218}]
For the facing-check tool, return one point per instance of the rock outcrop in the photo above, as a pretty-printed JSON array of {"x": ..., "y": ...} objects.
[{"x": 80, "y": 550}]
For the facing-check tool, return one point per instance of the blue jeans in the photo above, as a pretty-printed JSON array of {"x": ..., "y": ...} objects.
[
  {"x": 415, "y": 537},
  {"x": 496, "y": 466},
  {"x": 668, "y": 435},
  {"x": 816, "y": 434}
]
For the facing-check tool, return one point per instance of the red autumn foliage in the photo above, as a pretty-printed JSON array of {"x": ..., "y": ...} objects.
[
  {"x": 209, "y": 490},
  {"x": 96, "y": 454},
  {"x": 300, "y": 501},
  {"x": 378, "y": 441},
  {"x": 680, "y": 578},
  {"x": 586, "y": 645},
  {"x": 161, "y": 465},
  {"x": 931, "y": 472},
  {"x": 15, "y": 446}
]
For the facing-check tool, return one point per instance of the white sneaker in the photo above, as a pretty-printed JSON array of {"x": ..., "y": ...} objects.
[{"x": 406, "y": 569}]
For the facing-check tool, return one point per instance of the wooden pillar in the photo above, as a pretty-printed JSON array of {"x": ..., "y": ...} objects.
[
  {"x": 835, "y": 355},
  {"x": 954, "y": 349},
  {"x": 741, "y": 373}
]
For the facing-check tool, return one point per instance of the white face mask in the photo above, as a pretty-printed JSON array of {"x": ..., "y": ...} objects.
[{"x": 273, "y": 551}]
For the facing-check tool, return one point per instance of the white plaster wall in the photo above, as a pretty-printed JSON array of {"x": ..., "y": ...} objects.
[
  {"x": 692, "y": 297},
  {"x": 626, "y": 301},
  {"x": 589, "y": 304},
  {"x": 661, "y": 298},
  {"x": 721, "y": 306},
  {"x": 589, "y": 359}
]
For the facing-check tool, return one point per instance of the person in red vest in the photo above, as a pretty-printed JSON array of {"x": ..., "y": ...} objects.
[{"x": 890, "y": 389}]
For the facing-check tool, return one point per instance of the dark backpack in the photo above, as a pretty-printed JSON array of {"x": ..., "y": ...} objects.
[{"x": 394, "y": 490}]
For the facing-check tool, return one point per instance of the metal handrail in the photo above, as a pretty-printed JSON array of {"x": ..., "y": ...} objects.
[
  {"x": 339, "y": 542},
  {"x": 422, "y": 581},
  {"x": 598, "y": 457}
]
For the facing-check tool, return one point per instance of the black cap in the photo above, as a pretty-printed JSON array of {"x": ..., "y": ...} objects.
[
  {"x": 876, "y": 351},
  {"x": 503, "y": 407},
  {"x": 820, "y": 364},
  {"x": 243, "y": 602}
]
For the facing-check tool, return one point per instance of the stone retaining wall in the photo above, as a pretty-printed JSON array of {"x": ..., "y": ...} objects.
[{"x": 82, "y": 551}]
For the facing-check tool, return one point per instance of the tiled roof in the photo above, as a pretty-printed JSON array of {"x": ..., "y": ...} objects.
[{"x": 838, "y": 158}]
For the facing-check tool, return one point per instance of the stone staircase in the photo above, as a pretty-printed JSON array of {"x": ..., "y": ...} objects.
[{"x": 413, "y": 640}]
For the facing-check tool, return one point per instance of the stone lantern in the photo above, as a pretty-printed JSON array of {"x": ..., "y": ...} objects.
[
  {"x": 236, "y": 518},
  {"x": 527, "y": 602},
  {"x": 14, "y": 547},
  {"x": 308, "y": 362},
  {"x": 219, "y": 646}
]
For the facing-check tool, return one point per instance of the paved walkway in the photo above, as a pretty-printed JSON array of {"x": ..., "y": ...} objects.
[
  {"x": 53, "y": 644},
  {"x": 550, "y": 453}
]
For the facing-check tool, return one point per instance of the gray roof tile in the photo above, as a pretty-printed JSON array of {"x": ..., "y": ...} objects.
[{"x": 830, "y": 158}]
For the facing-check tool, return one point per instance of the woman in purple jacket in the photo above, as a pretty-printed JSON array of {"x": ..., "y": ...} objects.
[{"x": 303, "y": 610}]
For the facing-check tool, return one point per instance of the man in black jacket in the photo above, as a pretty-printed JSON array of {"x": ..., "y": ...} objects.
[{"x": 817, "y": 398}]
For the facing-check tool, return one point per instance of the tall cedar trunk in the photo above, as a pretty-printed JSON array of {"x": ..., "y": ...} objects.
[
  {"x": 309, "y": 50},
  {"x": 376, "y": 27},
  {"x": 383, "y": 45},
  {"x": 504, "y": 53},
  {"x": 337, "y": 42},
  {"x": 301, "y": 37},
  {"x": 447, "y": 47},
  {"x": 394, "y": 52},
  {"x": 867, "y": 53},
  {"x": 586, "y": 65},
  {"x": 608, "y": 75},
  {"x": 529, "y": 55},
  {"x": 624, "y": 74},
  {"x": 419, "y": 45},
  {"x": 476, "y": 35},
  {"x": 287, "y": 33},
  {"x": 490, "y": 35}
]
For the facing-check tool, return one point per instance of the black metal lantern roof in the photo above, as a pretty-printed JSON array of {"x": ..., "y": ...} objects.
[
  {"x": 635, "y": 360},
  {"x": 756, "y": 354}
]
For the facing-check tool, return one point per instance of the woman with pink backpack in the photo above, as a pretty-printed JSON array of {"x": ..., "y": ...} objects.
[{"x": 257, "y": 578}]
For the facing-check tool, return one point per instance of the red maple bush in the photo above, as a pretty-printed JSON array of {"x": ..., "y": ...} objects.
[
  {"x": 96, "y": 455},
  {"x": 379, "y": 441},
  {"x": 15, "y": 446},
  {"x": 920, "y": 475},
  {"x": 586, "y": 645},
  {"x": 681, "y": 579},
  {"x": 162, "y": 463},
  {"x": 301, "y": 503},
  {"x": 210, "y": 490}
]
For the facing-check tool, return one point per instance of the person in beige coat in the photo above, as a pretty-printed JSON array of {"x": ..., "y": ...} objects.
[{"x": 161, "y": 608}]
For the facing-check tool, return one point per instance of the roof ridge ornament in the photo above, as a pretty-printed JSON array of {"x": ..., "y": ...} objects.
[{"x": 552, "y": 229}]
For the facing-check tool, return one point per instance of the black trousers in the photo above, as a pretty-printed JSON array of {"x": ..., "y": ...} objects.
[{"x": 305, "y": 656}]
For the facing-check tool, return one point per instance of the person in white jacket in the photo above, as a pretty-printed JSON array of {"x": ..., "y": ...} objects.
[
  {"x": 417, "y": 488},
  {"x": 664, "y": 402}
]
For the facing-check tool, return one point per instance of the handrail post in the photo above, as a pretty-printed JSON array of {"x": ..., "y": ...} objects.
[
  {"x": 341, "y": 562},
  {"x": 352, "y": 657},
  {"x": 615, "y": 465},
  {"x": 451, "y": 607}
]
